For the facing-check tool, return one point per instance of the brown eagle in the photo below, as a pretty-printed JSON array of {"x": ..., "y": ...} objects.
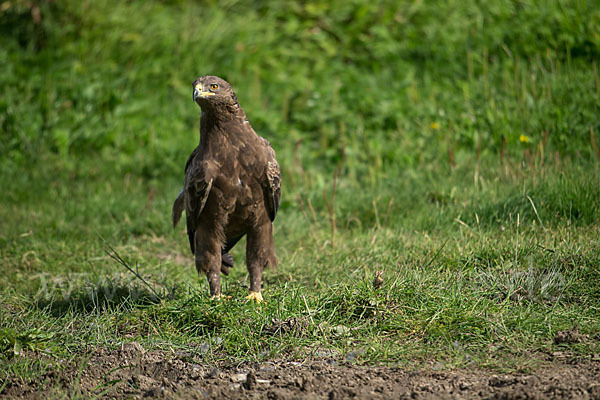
[{"x": 232, "y": 188}]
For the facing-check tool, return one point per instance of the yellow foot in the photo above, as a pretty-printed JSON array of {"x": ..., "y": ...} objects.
[
  {"x": 256, "y": 296},
  {"x": 219, "y": 296}
]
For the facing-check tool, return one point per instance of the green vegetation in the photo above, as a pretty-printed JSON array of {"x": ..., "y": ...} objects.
[{"x": 453, "y": 146}]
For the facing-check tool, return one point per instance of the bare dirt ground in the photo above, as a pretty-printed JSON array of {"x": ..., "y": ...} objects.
[{"x": 132, "y": 372}]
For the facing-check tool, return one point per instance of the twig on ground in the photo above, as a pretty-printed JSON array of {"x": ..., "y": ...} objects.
[{"x": 117, "y": 257}]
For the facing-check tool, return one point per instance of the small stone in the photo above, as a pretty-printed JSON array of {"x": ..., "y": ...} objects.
[
  {"x": 351, "y": 356},
  {"x": 238, "y": 378}
]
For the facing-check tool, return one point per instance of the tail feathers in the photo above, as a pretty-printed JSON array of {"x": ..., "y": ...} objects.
[{"x": 178, "y": 207}]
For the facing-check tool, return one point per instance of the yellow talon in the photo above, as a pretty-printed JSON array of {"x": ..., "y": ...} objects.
[
  {"x": 219, "y": 296},
  {"x": 256, "y": 296}
]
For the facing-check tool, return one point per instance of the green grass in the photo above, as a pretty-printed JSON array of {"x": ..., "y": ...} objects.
[
  {"x": 463, "y": 139},
  {"x": 488, "y": 293}
]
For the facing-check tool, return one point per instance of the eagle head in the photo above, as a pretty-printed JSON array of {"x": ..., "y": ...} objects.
[{"x": 213, "y": 92}]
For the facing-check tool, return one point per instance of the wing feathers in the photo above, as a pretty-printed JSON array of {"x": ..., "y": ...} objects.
[
  {"x": 273, "y": 189},
  {"x": 196, "y": 195}
]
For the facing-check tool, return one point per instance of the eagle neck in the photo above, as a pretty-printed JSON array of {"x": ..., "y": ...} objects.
[{"x": 215, "y": 125}]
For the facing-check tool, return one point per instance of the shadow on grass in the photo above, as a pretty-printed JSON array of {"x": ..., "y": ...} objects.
[{"x": 102, "y": 296}]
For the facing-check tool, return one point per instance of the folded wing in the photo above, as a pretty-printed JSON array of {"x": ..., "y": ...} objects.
[{"x": 272, "y": 188}]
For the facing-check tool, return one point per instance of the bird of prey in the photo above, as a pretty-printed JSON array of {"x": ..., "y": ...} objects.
[{"x": 232, "y": 188}]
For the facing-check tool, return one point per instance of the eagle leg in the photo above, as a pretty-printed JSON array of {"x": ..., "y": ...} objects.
[
  {"x": 260, "y": 252},
  {"x": 208, "y": 260},
  {"x": 214, "y": 282}
]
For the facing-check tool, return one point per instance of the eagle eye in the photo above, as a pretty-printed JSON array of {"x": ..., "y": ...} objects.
[{"x": 214, "y": 86}]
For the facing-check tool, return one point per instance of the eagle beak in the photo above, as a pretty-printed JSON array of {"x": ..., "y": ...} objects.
[{"x": 199, "y": 93}]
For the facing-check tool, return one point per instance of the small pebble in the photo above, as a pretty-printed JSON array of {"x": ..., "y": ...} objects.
[{"x": 238, "y": 377}]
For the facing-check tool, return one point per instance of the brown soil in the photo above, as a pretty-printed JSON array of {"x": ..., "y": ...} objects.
[{"x": 132, "y": 372}]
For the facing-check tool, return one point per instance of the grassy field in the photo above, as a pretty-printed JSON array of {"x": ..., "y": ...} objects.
[{"x": 441, "y": 180}]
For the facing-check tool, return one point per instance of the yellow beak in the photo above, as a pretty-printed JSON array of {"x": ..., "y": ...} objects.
[{"x": 198, "y": 92}]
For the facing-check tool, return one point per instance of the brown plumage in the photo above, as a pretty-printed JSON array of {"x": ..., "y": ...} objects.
[{"x": 232, "y": 188}]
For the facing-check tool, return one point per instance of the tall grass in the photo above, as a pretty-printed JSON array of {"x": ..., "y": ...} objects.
[{"x": 330, "y": 84}]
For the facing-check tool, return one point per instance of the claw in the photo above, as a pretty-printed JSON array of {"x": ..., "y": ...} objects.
[
  {"x": 219, "y": 296},
  {"x": 256, "y": 296}
]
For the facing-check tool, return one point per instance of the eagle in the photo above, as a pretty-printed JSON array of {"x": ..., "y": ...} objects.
[{"x": 232, "y": 188}]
